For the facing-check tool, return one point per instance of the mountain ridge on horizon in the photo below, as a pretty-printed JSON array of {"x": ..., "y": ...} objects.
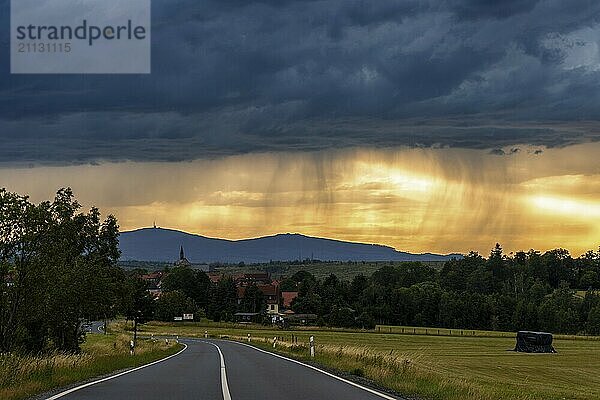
[{"x": 162, "y": 245}]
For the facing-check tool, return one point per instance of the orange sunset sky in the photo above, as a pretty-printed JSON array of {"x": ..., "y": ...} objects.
[{"x": 417, "y": 200}]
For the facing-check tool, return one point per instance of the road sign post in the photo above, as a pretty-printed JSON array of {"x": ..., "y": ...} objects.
[{"x": 312, "y": 346}]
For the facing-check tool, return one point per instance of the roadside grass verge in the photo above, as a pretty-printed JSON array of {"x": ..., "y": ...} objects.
[
  {"x": 434, "y": 367},
  {"x": 209, "y": 325},
  {"x": 25, "y": 376}
]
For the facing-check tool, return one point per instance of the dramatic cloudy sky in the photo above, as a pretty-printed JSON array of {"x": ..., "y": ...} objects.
[{"x": 425, "y": 125}]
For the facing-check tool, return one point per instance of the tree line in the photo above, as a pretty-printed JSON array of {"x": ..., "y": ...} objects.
[
  {"x": 58, "y": 268},
  {"x": 521, "y": 291}
]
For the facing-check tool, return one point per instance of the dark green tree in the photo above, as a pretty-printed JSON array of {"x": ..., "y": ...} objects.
[
  {"x": 308, "y": 304},
  {"x": 559, "y": 313},
  {"x": 174, "y": 304},
  {"x": 223, "y": 300},
  {"x": 137, "y": 304},
  {"x": 593, "y": 321},
  {"x": 63, "y": 264},
  {"x": 288, "y": 285},
  {"x": 193, "y": 283},
  {"x": 253, "y": 300}
]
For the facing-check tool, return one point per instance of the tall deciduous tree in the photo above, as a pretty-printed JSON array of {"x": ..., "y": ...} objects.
[
  {"x": 137, "y": 303},
  {"x": 62, "y": 267},
  {"x": 253, "y": 300},
  {"x": 193, "y": 283}
]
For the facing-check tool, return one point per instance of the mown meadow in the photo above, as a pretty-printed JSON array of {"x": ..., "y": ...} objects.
[{"x": 454, "y": 367}]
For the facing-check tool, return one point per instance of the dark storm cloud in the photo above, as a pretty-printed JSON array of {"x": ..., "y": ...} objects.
[
  {"x": 491, "y": 8},
  {"x": 232, "y": 77}
]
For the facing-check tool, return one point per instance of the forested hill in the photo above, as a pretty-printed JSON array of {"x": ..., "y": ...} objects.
[{"x": 157, "y": 244}]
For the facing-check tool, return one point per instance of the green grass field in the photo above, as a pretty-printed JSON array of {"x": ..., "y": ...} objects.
[
  {"x": 419, "y": 330},
  {"x": 436, "y": 367},
  {"x": 25, "y": 376}
]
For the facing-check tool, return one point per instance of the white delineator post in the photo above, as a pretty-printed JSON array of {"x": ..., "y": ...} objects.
[
  {"x": 312, "y": 346},
  {"x": 274, "y": 341},
  {"x": 248, "y": 338},
  {"x": 205, "y": 334}
]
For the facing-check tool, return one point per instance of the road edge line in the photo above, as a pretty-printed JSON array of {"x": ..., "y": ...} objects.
[
  {"x": 224, "y": 383},
  {"x": 372, "y": 391},
  {"x": 69, "y": 391}
]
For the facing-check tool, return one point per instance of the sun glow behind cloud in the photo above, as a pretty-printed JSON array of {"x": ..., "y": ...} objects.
[
  {"x": 401, "y": 182},
  {"x": 416, "y": 200},
  {"x": 566, "y": 206}
]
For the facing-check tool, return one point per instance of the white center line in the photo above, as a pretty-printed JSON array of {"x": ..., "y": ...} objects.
[{"x": 224, "y": 385}]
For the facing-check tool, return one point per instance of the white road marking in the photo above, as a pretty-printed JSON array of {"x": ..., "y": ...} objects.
[
  {"x": 224, "y": 385},
  {"x": 66, "y": 392},
  {"x": 382, "y": 395}
]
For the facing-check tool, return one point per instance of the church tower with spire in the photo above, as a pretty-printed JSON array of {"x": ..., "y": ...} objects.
[{"x": 182, "y": 262}]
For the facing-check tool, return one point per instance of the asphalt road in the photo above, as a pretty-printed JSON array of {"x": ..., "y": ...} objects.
[
  {"x": 96, "y": 327},
  {"x": 216, "y": 369}
]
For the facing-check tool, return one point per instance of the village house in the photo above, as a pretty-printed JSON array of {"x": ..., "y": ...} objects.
[
  {"x": 215, "y": 277},
  {"x": 277, "y": 302},
  {"x": 262, "y": 281},
  {"x": 272, "y": 296},
  {"x": 286, "y": 299},
  {"x": 154, "y": 280}
]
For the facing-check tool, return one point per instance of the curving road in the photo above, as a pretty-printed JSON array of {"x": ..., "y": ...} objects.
[
  {"x": 216, "y": 369},
  {"x": 97, "y": 327}
]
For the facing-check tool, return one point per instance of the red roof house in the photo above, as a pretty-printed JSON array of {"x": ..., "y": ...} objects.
[{"x": 287, "y": 298}]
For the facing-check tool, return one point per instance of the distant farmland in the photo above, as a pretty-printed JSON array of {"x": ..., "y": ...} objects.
[
  {"x": 320, "y": 269},
  {"x": 343, "y": 270},
  {"x": 436, "y": 367}
]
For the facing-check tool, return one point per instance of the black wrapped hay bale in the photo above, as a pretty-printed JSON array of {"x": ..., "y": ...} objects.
[{"x": 534, "y": 342}]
